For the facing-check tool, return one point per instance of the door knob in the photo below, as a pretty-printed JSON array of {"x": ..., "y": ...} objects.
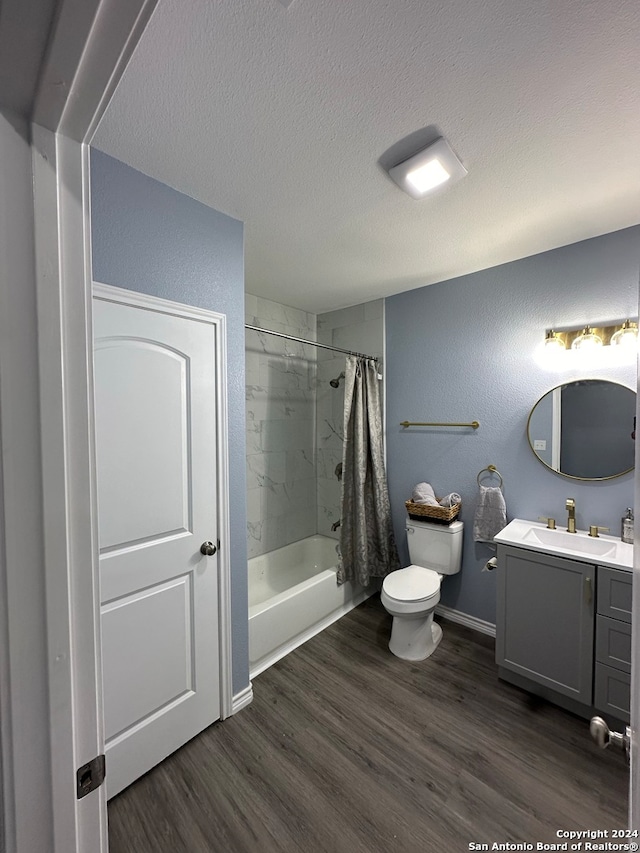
[
  {"x": 603, "y": 735},
  {"x": 208, "y": 549}
]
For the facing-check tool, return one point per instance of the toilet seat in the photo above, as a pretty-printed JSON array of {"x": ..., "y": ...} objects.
[{"x": 412, "y": 585}]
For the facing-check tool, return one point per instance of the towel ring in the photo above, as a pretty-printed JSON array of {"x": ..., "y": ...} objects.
[{"x": 491, "y": 470}]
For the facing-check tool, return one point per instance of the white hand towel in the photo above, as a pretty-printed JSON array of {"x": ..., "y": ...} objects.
[
  {"x": 423, "y": 494},
  {"x": 451, "y": 500},
  {"x": 491, "y": 514}
]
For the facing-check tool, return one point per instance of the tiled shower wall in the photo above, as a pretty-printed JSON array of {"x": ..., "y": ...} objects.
[
  {"x": 295, "y": 418},
  {"x": 361, "y": 329},
  {"x": 281, "y": 469}
]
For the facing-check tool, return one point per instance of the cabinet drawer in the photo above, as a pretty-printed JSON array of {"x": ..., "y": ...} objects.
[
  {"x": 613, "y": 643},
  {"x": 612, "y": 691},
  {"x": 614, "y": 593}
]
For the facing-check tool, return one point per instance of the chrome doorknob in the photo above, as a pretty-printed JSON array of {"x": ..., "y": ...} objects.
[
  {"x": 604, "y": 737},
  {"x": 208, "y": 549}
]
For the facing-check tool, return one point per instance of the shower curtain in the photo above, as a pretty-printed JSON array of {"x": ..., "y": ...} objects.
[{"x": 367, "y": 544}]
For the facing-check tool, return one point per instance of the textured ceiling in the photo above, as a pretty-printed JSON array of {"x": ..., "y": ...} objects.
[{"x": 278, "y": 114}]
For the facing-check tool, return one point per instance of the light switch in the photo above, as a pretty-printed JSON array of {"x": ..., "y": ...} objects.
[{"x": 539, "y": 444}]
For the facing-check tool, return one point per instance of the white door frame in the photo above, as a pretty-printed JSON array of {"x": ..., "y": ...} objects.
[
  {"x": 52, "y": 565},
  {"x": 634, "y": 776},
  {"x": 219, "y": 322}
]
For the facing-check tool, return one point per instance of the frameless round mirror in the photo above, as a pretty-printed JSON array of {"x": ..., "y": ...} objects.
[{"x": 585, "y": 429}]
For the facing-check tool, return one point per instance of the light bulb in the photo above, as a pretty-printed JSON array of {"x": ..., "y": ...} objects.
[
  {"x": 428, "y": 176},
  {"x": 552, "y": 342},
  {"x": 587, "y": 340},
  {"x": 627, "y": 336}
]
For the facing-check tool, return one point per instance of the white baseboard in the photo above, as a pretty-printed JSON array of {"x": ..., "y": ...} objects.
[
  {"x": 242, "y": 699},
  {"x": 281, "y": 651},
  {"x": 464, "y": 619}
]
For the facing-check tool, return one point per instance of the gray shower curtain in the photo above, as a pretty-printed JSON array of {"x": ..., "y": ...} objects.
[{"x": 367, "y": 544}]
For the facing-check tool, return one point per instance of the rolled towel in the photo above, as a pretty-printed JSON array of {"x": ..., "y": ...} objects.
[
  {"x": 423, "y": 494},
  {"x": 451, "y": 500}
]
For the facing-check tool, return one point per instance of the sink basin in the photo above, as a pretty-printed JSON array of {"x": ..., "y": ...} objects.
[
  {"x": 534, "y": 536},
  {"x": 596, "y": 547}
]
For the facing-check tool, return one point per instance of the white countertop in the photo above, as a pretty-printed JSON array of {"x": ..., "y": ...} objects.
[{"x": 536, "y": 536}]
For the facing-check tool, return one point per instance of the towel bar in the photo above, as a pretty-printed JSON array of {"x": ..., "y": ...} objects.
[{"x": 405, "y": 424}]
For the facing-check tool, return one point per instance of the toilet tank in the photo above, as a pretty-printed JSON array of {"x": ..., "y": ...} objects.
[{"x": 435, "y": 546}]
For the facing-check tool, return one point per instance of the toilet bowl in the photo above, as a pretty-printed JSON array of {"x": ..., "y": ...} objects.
[{"x": 411, "y": 594}]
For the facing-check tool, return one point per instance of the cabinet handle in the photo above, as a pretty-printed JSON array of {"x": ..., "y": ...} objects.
[{"x": 588, "y": 590}]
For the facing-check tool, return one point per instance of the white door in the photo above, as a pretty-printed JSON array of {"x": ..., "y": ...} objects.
[{"x": 156, "y": 434}]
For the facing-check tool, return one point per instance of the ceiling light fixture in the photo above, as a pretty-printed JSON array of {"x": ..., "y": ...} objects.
[{"x": 430, "y": 168}]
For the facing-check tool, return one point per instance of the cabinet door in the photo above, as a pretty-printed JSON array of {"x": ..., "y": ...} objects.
[{"x": 545, "y": 618}]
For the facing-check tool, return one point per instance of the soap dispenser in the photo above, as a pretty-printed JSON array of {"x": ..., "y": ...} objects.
[{"x": 626, "y": 533}]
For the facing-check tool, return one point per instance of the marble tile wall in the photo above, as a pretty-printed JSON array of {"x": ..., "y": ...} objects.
[
  {"x": 281, "y": 427},
  {"x": 359, "y": 328},
  {"x": 295, "y": 417}
]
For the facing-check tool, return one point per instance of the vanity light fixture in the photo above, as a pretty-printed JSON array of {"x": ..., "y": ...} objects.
[
  {"x": 428, "y": 169},
  {"x": 590, "y": 337}
]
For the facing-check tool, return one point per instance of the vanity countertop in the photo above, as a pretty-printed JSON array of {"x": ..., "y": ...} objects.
[{"x": 536, "y": 536}]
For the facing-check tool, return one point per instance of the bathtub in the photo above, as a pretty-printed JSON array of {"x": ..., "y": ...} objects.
[{"x": 293, "y": 595}]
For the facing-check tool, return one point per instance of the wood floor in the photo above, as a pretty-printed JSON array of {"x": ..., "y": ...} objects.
[{"x": 347, "y": 748}]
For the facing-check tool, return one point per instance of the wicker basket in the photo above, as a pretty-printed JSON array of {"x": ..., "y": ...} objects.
[{"x": 425, "y": 512}]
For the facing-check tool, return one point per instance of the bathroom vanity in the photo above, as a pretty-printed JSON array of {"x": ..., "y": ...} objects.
[{"x": 563, "y": 622}]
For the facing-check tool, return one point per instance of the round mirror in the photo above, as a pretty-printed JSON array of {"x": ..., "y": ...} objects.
[{"x": 585, "y": 429}]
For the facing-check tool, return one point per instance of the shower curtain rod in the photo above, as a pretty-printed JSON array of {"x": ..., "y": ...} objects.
[{"x": 311, "y": 343}]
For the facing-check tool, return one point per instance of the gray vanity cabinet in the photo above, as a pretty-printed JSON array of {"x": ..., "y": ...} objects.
[{"x": 545, "y": 623}]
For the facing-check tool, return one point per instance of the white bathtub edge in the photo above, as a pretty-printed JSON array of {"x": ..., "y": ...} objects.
[
  {"x": 285, "y": 648},
  {"x": 242, "y": 699},
  {"x": 464, "y": 619}
]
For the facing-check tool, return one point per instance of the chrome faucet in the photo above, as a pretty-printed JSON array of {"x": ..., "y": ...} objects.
[
  {"x": 336, "y": 525},
  {"x": 571, "y": 521}
]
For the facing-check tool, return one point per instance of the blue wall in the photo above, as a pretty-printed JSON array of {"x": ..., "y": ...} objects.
[
  {"x": 150, "y": 238},
  {"x": 464, "y": 350}
]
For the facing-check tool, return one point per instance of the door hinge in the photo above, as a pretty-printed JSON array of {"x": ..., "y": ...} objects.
[{"x": 90, "y": 776}]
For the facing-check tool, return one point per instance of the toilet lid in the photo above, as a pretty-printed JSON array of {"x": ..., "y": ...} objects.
[{"x": 411, "y": 584}]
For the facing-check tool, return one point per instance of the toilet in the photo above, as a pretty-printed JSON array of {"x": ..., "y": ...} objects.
[{"x": 410, "y": 595}]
